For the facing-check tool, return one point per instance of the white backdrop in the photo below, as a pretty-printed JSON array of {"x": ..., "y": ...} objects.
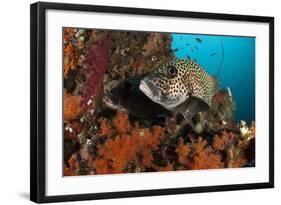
[{"x": 14, "y": 109}]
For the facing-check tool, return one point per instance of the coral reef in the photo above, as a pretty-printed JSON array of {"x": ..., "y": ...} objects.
[
  {"x": 99, "y": 140},
  {"x": 134, "y": 54},
  {"x": 221, "y": 115},
  {"x": 129, "y": 147},
  {"x": 73, "y": 40},
  {"x": 127, "y": 144},
  {"x": 197, "y": 155}
]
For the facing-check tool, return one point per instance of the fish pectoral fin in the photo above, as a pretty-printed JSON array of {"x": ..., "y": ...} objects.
[
  {"x": 195, "y": 106},
  {"x": 187, "y": 117}
]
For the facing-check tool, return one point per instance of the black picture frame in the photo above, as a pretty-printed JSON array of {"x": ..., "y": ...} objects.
[{"x": 38, "y": 101}]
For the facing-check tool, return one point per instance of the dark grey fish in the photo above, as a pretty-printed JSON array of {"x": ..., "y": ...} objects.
[
  {"x": 213, "y": 54},
  {"x": 175, "y": 50},
  {"x": 128, "y": 97},
  {"x": 187, "y": 44}
]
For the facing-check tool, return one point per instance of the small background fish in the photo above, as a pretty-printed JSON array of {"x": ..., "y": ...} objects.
[{"x": 238, "y": 68}]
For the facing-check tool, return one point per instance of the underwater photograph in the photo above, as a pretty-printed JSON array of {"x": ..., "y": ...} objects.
[{"x": 137, "y": 101}]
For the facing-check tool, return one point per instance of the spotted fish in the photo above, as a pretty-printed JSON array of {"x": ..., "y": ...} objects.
[{"x": 182, "y": 86}]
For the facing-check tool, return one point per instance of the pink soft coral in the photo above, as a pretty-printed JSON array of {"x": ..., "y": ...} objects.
[{"x": 96, "y": 63}]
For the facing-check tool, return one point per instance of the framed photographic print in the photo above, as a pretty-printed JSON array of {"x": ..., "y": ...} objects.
[{"x": 129, "y": 102}]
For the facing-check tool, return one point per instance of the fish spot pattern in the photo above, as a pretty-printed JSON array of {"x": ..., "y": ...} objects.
[{"x": 190, "y": 79}]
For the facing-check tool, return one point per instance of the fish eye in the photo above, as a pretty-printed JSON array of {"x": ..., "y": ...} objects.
[{"x": 171, "y": 71}]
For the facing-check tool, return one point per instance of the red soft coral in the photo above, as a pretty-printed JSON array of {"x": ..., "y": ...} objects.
[{"x": 96, "y": 63}]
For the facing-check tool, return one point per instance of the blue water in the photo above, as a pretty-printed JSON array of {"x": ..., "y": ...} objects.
[{"x": 238, "y": 67}]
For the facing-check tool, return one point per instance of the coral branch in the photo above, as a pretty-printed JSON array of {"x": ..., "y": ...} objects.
[{"x": 198, "y": 155}]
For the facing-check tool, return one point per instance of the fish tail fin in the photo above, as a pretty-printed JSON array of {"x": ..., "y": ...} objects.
[{"x": 222, "y": 59}]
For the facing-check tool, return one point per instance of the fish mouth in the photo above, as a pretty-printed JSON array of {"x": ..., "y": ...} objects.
[
  {"x": 109, "y": 103},
  {"x": 150, "y": 90}
]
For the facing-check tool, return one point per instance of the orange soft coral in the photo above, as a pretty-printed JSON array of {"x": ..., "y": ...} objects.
[
  {"x": 198, "y": 155},
  {"x": 126, "y": 147},
  {"x": 105, "y": 128},
  {"x": 71, "y": 106},
  {"x": 121, "y": 122},
  {"x": 74, "y": 44},
  {"x": 235, "y": 147},
  {"x": 221, "y": 142},
  {"x": 182, "y": 151},
  {"x": 71, "y": 53},
  {"x": 126, "y": 143},
  {"x": 204, "y": 157}
]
